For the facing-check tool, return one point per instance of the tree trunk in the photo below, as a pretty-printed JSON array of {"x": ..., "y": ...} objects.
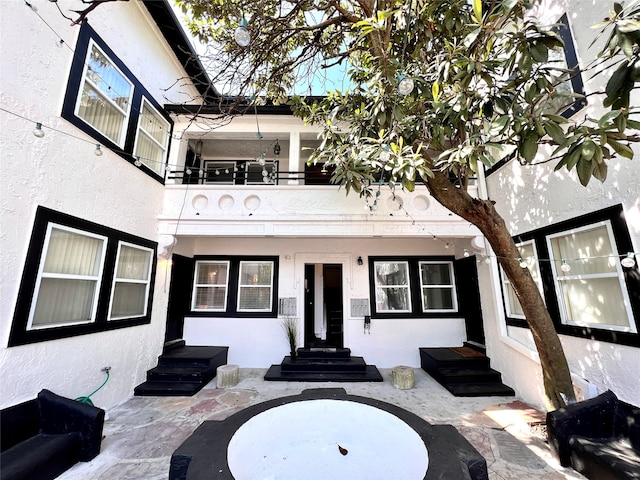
[{"x": 482, "y": 213}]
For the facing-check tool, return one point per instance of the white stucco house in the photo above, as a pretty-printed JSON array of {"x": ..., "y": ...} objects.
[{"x": 212, "y": 232}]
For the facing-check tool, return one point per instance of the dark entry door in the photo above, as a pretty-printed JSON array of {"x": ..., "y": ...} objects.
[
  {"x": 332, "y": 293},
  {"x": 309, "y": 305},
  {"x": 179, "y": 296},
  {"x": 469, "y": 298}
]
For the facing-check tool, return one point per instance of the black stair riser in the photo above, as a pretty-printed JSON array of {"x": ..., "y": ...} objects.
[
  {"x": 468, "y": 377},
  {"x": 179, "y": 377},
  {"x": 323, "y": 367},
  {"x": 480, "y": 390},
  {"x": 467, "y": 363},
  {"x": 310, "y": 353}
]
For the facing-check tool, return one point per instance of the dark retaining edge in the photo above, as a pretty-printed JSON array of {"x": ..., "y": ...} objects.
[{"x": 203, "y": 455}]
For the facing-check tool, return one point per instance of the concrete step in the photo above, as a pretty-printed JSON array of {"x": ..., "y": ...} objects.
[{"x": 314, "y": 364}]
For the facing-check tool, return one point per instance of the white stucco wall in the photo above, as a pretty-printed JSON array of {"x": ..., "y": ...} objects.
[
  {"x": 533, "y": 197},
  {"x": 61, "y": 172},
  {"x": 261, "y": 342}
]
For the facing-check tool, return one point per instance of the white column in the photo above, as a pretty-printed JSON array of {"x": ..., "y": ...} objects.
[{"x": 294, "y": 156}]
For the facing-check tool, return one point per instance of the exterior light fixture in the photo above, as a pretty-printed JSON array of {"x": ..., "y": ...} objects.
[
  {"x": 38, "y": 132},
  {"x": 98, "y": 151},
  {"x": 565, "y": 267},
  {"x": 276, "y": 148},
  {"x": 405, "y": 85},
  {"x": 628, "y": 261},
  {"x": 360, "y": 261},
  {"x": 242, "y": 35}
]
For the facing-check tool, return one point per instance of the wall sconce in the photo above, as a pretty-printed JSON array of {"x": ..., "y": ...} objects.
[{"x": 360, "y": 262}]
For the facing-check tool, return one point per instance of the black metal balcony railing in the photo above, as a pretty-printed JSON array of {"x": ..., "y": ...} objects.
[{"x": 264, "y": 177}]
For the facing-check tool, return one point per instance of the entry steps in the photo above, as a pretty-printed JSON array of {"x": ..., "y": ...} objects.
[
  {"x": 464, "y": 371},
  {"x": 323, "y": 365},
  {"x": 182, "y": 370}
]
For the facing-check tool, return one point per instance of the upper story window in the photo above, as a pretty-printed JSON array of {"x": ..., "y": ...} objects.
[
  {"x": 106, "y": 101},
  {"x": 235, "y": 286},
  {"x": 409, "y": 287},
  {"x": 81, "y": 277}
]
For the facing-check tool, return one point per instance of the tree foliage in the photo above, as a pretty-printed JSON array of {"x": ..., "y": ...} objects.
[{"x": 437, "y": 89}]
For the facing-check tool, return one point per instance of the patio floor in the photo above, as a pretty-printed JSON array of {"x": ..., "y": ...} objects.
[{"x": 141, "y": 434}]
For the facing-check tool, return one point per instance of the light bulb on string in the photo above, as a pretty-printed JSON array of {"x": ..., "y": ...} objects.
[
  {"x": 188, "y": 171},
  {"x": 98, "y": 151},
  {"x": 38, "y": 132},
  {"x": 522, "y": 262},
  {"x": 628, "y": 261},
  {"x": 565, "y": 267},
  {"x": 466, "y": 252},
  {"x": 137, "y": 162},
  {"x": 167, "y": 169},
  {"x": 405, "y": 85},
  {"x": 60, "y": 43},
  {"x": 242, "y": 35}
]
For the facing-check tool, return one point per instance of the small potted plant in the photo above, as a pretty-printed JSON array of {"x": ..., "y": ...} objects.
[{"x": 290, "y": 327}]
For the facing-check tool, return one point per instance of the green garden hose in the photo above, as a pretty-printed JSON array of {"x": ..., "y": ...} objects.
[{"x": 87, "y": 399}]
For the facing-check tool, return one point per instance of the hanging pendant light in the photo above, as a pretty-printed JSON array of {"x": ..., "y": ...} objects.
[{"x": 242, "y": 35}]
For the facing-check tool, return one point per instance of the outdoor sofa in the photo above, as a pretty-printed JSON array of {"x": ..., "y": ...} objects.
[
  {"x": 43, "y": 437},
  {"x": 599, "y": 437}
]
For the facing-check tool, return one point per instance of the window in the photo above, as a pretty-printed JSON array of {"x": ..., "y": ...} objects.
[
  {"x": 152, "y": 138},
  {"x": 235, "y": 286},
  {"x": 438, "y": 289},
  {"x": 512, "y": 304},
  {"x": 576, "y": 264},
  {"x": 240, "y": 172},
  {"x": 68, "y": 279},
  {"x": 413, "y": 287},
  {"x": 80, "y": 278},
  {"x": 254, "y": 286},
  {"x": 588, "y": 278},
  {"x": 392, "y": 287},
  {"x": 131, "y": 283},
  {"x": 106, "y": 101},
  {"x": 211, "y": 286}
]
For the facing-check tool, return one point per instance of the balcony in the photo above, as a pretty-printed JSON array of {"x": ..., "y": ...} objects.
[{"x": 234, "y": 203}]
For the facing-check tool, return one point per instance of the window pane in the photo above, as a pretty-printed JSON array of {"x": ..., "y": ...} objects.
[
  {"x": 437, "y": 298},
  {"x": 255, "y": 273},
  {"x": 255, "y": 298},
  {"x": 133, "y": 263},
  {"x": 129, "y": 300},
  {"x": 392, "y": 273},
  {"x": 392, "y": 299},
  {"x": 219, "y": 172},
  {"x": 71, "y": 253},
  {"x": 63, "y": 301},
  {"x": 435, "y": 274},
  {"x": 514, "y": 304},
  {"x": 212, "y": 274},
  {"x": 210, "y": 298},
  {"x": 596, "y": 301},
  {"x": 105, "y": 98},
  {"x": 586, "y": 245}
]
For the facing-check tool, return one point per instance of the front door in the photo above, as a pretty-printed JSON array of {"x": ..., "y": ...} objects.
[
  {"x": 469, "y": 298},
  {"x": 323, "y": 309},
  {"x": 179, "y": 296}
]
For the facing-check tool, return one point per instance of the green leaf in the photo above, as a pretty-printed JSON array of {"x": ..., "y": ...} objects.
[
  {"x": 608, "y": 117},
  {"x": 435, "y": 90},
  {"x": 477, "y": 10},
  {"x": 600, "y": 172},
  {"x": 588, "y": 149},
  {"x": 584, "y": 169},
  {"x": 620, "y": 148},
  {"x": 555, "y": 132},
  {"x": 529, "y": 148}
]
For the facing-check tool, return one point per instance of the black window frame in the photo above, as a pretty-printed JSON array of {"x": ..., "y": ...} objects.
[
  {"x": 85, "y": 36},
  {"x": 623, "y": 244},
  {"x": 414, "y": 287},
  {"x": 20, "y": 335},
  {"x": 233, "y": 286}
]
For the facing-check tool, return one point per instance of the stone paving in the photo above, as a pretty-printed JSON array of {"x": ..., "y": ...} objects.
[{"x": 141, "y": 434}]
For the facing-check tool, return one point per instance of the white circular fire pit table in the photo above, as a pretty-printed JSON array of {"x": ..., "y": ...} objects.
[{"x": 326, "y": 439}]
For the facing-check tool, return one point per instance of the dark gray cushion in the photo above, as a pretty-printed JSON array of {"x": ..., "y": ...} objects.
[{"x": 613, "y": 458}]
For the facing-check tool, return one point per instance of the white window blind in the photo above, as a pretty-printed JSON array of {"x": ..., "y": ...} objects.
[{"x": 130, "y": 290}]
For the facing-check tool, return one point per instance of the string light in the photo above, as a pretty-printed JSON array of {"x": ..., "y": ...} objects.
[
  {"x": 38, "y": 132},
  {"x": 98, "y": 151},
  {"x": 466, "y": 252},
  {"x": 405, "y": 85},
  {"x": 565, "y": 267},
  {"x": 137, "y": 162},
  {"x": 522, "y": 262},
  {"x": 628, "y": 261},
  {"x": 242, "y": 35}
]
